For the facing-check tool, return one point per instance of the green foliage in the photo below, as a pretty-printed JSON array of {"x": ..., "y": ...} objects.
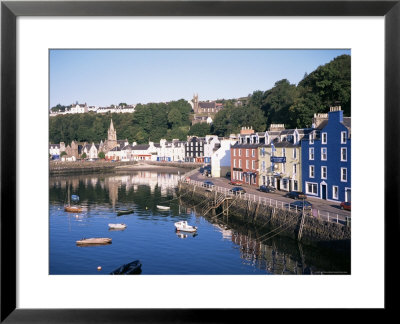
[
  {"x": 84, "y": 156},
  {"x": 101, "y": 155},
  {"x": 63, "y": 153},
  {"x": 201, "y": 130}
]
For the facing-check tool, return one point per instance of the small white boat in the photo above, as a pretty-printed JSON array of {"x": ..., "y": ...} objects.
[
  {"x": 184, "y": 227},
  {"x": 163, "y": 207},
  {"x": 117, "y": 226}
]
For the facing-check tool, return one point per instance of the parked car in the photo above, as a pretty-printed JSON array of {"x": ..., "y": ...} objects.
[
  {"x": 237, "y": 190},
  {"x": 208, "y": 184},
  {"x": 299, "y": 205},
  {"x": 267, "y": 189},
  {"x": 235, "y": 183},
  {"x": 296, "y": 195},
  {"x": 346, "y": 205}
]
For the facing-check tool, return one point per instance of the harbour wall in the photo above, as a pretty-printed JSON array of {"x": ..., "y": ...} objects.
[{"x": 276, "y": 220}]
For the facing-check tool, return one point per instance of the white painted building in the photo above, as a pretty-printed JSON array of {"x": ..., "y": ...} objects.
[
  {"x": 211, "y": 144},
  {"x": 117, "y": 110},
  {"x": 170, "y": 151},
  {"x": 54, "y": 150},
  {"x": 221, "y": 158},
  {"x": 78, "y": 109},
  {"x": 144, "y": 152},
  {"x": 91, "y": 151}
]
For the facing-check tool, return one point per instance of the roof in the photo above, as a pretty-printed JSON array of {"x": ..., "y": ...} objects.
[
  {"x": 238, "y": 145},
  {"x": 127, "y": 147},
  {"x": 283, "y": 144},
  {"x": 140, "y": 147},
  {"x": 207, "y": 104}
]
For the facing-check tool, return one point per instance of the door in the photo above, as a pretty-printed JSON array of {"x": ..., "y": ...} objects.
[
  {"x": 348, "y": 195},
  {"x": 323, "y": 191},
  {"x": 278, "y": 184}
]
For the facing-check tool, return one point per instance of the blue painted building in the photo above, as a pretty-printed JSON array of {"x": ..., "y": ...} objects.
[{"x": 326, "y": 157}]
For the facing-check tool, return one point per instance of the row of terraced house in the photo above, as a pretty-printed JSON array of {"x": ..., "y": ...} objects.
[{"x": 314, "y": 160}]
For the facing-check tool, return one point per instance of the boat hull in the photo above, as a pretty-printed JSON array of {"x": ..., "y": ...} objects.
[
  {"x": 163, "y": 207},
  {"x": 125, "y": 212},
  {"x": 184, "y": 227},
  {"x": 134, "y": 267},
  {"x": 117, "y": 226},
  {"x": 94, "y": 241},
  {"x": 72, "y": 209}
]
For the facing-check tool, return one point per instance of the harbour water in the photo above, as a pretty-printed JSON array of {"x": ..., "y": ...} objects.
[{"x": 218, "y": 247}]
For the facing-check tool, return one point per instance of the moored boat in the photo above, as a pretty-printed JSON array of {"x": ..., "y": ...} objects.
[
  {"x": 134, "y": 267},
  {"x": 94, "y": 241},
  {"x": 72, "y": 209},
  {"x": 163, "y": 207},
  {"x": 117, "y": 226},
  {"x": 69, "y": 208},
  {"x": 184, "y": 227},
  {"x": 125, "y": 212}
]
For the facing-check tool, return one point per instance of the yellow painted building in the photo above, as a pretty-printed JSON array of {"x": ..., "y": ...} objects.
[{"x": 281, "y": 175}]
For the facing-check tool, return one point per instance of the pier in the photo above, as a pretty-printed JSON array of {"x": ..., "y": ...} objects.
[{"x": 278, "y": 218}]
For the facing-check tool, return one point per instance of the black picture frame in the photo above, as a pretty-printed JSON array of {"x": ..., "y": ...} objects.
[{"x": 10, "y": 10}]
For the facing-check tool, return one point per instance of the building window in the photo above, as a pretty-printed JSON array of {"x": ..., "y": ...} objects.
[
  {"x": 247, "y": 153},
  {"x": 295, "y": 185},
  {"x": 240, "y": 163},
  {"x": 311, "y": 139},
  {"x": 263, "y": 165},
  {"x": 324, "y": 172},
  {"x": 311, "y": 171},
  {"x": 234, "y": 163},
  {"x": 283, "y": 167},
  {"x": 253, "y": 164},
  {"x": 311, "y": 153},
  {"x": 324, "y": 153},
  {"x": 253, "y": 152},
  {"x": 335, "y": 192},
  {"x": 294, "y": 168},
  {"x": 247, "y": 164},
  {"x": 311, "y": 188},
  {"x": 234, "y": 152},
  {"x": 283, "y": 152},
  {"x": 294, "y": 153},
  {"x": 324, "y": 138},
  {"x": 240, "y": 152},
  {"x": 343, "y": 138},
  {"x": 284, "y": 183},
  {"x": 343, "y": 155},
  {"x": 263, "y": 152},
  {"x": 343, "y": 174}
]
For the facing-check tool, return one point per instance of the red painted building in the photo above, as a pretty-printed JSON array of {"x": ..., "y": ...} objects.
[{"x": 244, "y": 163}]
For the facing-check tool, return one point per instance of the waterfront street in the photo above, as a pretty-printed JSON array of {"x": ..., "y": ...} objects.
[{"x": 324, "y": 206}]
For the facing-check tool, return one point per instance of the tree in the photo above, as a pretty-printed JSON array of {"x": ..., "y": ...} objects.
[
  {"x": 200, "y": 129},
  {"x": 101, "y": 155},
  {"x": 84, "y": 156},
  {"x": 63, "y": 153}
]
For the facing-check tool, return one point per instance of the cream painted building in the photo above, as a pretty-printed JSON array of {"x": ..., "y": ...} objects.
[{"x": 283, "y": 172}]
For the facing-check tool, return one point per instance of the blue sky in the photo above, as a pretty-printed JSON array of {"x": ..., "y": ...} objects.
[{"x": 105, "y": 77}]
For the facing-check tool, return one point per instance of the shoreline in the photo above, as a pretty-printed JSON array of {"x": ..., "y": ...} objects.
[{"x": 57, "y": 168}]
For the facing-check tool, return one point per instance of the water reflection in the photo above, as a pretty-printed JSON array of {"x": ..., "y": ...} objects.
[{"x": 221, "y": 246}]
